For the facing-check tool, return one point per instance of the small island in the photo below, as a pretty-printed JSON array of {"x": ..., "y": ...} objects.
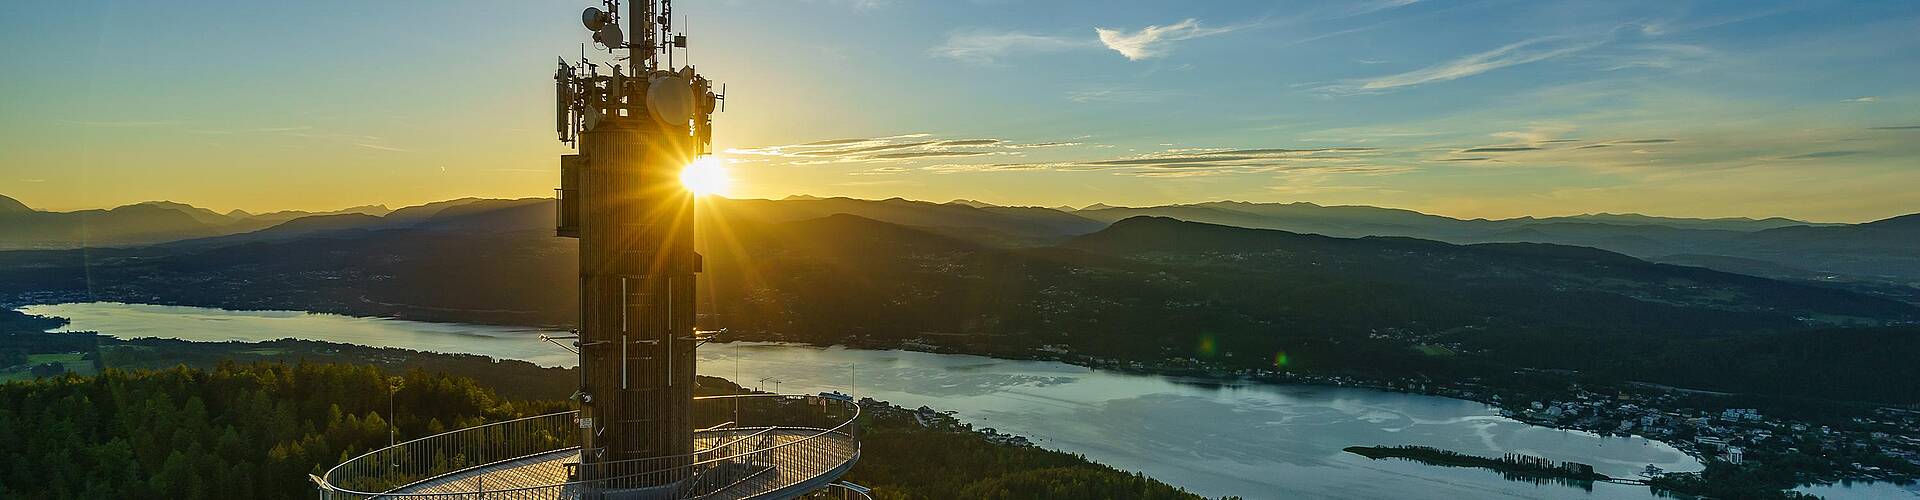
[{"x": 1516, "y": 466}]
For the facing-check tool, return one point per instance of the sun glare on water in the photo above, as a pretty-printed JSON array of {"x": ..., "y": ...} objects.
[{"x": 706, "y": 176}]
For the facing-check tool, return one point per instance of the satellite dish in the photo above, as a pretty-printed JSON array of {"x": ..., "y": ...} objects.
[
  {"x": 611, "y": 36},
  {"x": 593, "y": 18},
  {"x": 670, "y": 100}
]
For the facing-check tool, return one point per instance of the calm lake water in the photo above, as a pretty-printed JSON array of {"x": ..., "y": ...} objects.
[{"x": 1255, "y": 441}]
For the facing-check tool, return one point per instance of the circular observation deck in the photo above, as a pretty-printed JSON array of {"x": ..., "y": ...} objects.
[{"x": 760, "y": 446}]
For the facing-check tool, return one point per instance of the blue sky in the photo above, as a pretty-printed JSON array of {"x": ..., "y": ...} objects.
[{"x": 1462, "y": 108}]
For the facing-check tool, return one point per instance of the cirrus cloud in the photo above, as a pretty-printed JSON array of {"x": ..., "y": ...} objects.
[
  {"x": 988, "y": 47},
  {"x": 1153, "y": 41},
  {"x": 1514, "y": 54}
]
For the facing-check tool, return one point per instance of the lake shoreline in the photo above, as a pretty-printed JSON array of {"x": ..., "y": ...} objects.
[{"x": 1179, "y": 375}]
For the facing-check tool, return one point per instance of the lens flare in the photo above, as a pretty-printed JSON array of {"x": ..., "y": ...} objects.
[{"x": 706, "y": 175}]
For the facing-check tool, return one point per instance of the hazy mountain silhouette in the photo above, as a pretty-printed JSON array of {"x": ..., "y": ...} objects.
[
  {"x": 1887, "y": 248},
  {"x": 127, "y": 225},
  {"x": 286, "y": 215},
  {"x": 1562, "y": 268},
  {"x": 201, "y": 215},
  {"x": 1028, "y": 224},
  {"x": 136, "y": 224},
  {"x": 1878, "y": 252},
  {"x": 1859, "y": 254},
  {"x": 10, "y": 205},
  {"x": 466, "y": 214},
  {"x": 1723, "y": 223},
  {"x": 1352, "y": 220},
  {"x": 314, "y": 225}
]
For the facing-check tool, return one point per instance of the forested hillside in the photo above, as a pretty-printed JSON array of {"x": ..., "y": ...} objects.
[{"x": 235, "y": 431}]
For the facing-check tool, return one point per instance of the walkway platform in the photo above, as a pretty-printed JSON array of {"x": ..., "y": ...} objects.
[{"x": 530, "y": 458}]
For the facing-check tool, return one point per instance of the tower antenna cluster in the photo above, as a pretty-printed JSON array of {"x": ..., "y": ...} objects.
[
  {"x": 636, "y": 81},
  {"x": 636, "y": 121}
]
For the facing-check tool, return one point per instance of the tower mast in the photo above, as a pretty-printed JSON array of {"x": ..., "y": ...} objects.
[
  {"x": 621, "y": 196},
  {"x": 635, "y": 128}
]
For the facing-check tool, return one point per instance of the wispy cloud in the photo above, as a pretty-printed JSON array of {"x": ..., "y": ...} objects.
[
  {"x": 1539, "y": 133},
  {"x": 1659, "y": 56},
  {"x": 378, "y": 147},
  {"x": 860, "y": 4},
  {"x": 1198, "y": 162},
  {"x": 124, "y": 123},
  {"x": 1358, "y": 8},
  {"x": 1055, "y": 144},
  {"x": 986, "y": 47},
  {"x": 1154, "y": 41},
  {"x": 899, "y": 148},
  {"x": 1820, "y": 155},
  {"x": 1863, "y": 99},
  {"x": 882, "y": 171},
  {"x": 1669, "y": 27},
  {"x": 1514, "y": 54},
  {"x": 908, "y": 155},
  {"x": 971, "y": 142},
  {"x": 1545, "y": 140},
  {"x": 1120, "y": 95}
]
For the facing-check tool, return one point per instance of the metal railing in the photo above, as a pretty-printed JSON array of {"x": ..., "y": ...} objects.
[
  {"x": 840, "y": 491},
  {"x": 748, "y": 446}
]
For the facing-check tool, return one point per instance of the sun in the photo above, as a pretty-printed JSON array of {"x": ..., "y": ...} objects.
[{"x": 706, "y": 175}]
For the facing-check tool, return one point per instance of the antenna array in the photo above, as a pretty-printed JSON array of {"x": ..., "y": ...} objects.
[{"x": 640, "y": 87}]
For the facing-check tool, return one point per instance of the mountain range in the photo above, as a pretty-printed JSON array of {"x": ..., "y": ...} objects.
[
  {"x": 1139, "y": 288},
  {"x": 1881, "y": 257},
  {"x": 22, "y": 227}
]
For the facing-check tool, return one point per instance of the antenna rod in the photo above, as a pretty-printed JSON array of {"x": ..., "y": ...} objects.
[{"x": 640, "y": 30}]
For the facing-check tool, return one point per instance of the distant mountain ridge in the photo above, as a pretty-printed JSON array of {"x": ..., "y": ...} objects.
[
  {"x": 10, "y": 205},
  {"x": 1880, "y": 252},
  {"x": 144, "y": 223}
]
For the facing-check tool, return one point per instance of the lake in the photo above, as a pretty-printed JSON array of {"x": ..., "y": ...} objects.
[{"x": 1251, "y": 440}]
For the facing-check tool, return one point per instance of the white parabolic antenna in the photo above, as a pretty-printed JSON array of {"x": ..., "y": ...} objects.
[{"x": 670, "y": 100}]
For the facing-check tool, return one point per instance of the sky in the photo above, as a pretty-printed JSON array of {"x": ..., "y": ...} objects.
[{"x": 1805, "y": 109}]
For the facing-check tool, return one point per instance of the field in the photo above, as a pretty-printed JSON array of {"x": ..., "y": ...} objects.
[{"x": 73, "y": 361}]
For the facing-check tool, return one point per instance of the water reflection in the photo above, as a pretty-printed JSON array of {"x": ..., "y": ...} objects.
[{"x": 1251, "y": 440}]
